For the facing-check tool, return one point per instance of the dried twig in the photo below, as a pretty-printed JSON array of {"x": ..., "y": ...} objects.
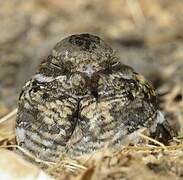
[
  {"x": 139, "y": 148},
  {"x": 153, "y": 140},
  {"x": 8, "y": 116},
  {"x": 48, "y": 163},
  {"x": 73, "y": 164}
]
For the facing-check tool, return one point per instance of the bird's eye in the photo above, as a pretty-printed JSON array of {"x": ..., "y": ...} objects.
[
  {"x": 114, "y": 63},
  {"x": 56, "y": 65}
]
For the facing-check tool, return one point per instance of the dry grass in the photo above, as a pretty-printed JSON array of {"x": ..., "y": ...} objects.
[{"x": 142, "y": 161}]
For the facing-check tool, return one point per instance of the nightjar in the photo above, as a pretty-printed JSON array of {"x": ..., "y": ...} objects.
[{"x": 83, "y": 98}]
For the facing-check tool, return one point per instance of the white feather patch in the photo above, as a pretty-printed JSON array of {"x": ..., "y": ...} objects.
[
  {"x": 159, "y": 120},
  {"x": 42, "y": 78},
  {"x": 20, "y": 134}
]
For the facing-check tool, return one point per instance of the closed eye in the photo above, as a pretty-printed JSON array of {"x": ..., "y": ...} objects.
[
  {"x": 114, "y": 63},
  {"x": 55, "y": 65}
]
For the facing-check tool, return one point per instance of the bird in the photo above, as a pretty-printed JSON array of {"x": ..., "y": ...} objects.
[{"x": 83, "y": 98}]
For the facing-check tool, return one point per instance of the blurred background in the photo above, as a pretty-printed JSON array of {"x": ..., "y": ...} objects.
[{"x": 148, "y": 36}]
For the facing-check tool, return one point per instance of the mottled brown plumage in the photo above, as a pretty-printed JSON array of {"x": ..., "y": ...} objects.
[{"x": 81, "y": 99}]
